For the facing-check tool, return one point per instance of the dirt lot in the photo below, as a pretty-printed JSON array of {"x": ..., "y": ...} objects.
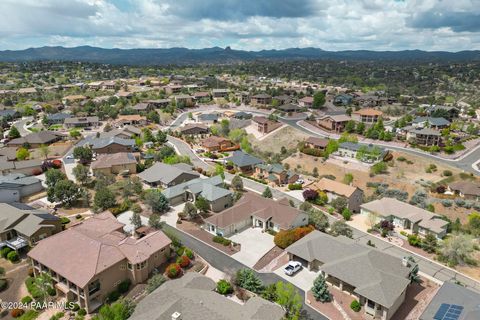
[
  {"x": 57, "y": 149},
  {"x": 286, "y": 136}
]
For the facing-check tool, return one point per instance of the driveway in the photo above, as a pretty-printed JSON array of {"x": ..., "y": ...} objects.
[
  {"x": 303, "y": 279},
  {"x": 255, "y": 244},
  {"x": 171, "y": 216}
]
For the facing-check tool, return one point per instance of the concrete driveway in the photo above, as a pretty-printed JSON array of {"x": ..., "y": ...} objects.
[
  {"x": 302, "y": 279},
  {"x": 255, "y": 244},
  {"x": 171, "y": 216}
]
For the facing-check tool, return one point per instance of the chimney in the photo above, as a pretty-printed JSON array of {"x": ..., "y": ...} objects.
[{"x": 176, "y": 316}]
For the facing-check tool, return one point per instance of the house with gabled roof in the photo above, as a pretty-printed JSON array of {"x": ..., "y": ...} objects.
[
  {"x": 253, "y": 210},
  {"x": 406, "y": 216},
  {"x": 211, "y": 189},
  {"x": 15, "y": 186},
  {"x": 243, "y": 161},
  {"x": 275, "y": 174},
  {"x": 90, "y": 259},
  {"x": 335, "y": 189},
  {"x": 378, "y": 280},
  {"x": 166, "y": 175}
]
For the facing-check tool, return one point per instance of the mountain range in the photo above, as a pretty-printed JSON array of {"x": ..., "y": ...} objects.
[{"x": 217, "y": 55}]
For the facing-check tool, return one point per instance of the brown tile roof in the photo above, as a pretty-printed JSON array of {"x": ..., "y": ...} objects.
[
  {"x": 92, "y": 246},
  {"x": 307, "y": 99},
  {"x": 260, "y": 119},
  {"x": 466, "y": 187},
  {"x": 320, "y": 142},
  {"x": 368, "y": 112},
  {"x": 131, "y": 117},
  {"x": 109, "y": 160},
  {"x": 335, "y": 187},
  {"x": 213, "y": 141},
  {"x": 254, "y": 205}
]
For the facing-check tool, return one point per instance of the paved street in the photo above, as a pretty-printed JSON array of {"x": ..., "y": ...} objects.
[
  {"x": 20, "y": 125},
  {"x": 427, "y": 266},
  {"x": 229, "y": 265}
]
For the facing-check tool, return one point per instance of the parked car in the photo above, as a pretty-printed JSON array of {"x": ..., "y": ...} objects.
[
  {"x": 299, "y": 181},
  {"x": 292, "y": 267},
  {"x": 69, "y": 156}
]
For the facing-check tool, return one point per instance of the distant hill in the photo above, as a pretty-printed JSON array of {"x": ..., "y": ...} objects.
[{"x": 218, "y": 55}]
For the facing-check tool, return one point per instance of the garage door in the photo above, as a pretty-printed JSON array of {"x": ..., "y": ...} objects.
[{"x": 302, "y": 261}]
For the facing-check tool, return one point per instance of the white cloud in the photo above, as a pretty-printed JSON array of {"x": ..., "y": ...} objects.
[{"x": 328, "y": 24}]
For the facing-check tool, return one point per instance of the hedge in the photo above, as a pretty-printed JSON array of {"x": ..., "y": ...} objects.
[
  {"x": 13, "y": 256},
  {"x": 294, "y": 186},
  {"x": 5, "y": 251},
  {"x": 284, "y": 238},
  {"x": 222, "y": 240}
]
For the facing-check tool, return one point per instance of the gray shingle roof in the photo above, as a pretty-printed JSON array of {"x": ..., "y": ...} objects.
[
  {"x": 374, "y": 274},
  {"x": 208, "y": 188},
  {"x": 165, "y": 173},
  {"x": 98, "y": 143},
  {"x": 193, "y": 296},
  {"x": 242, "y": 159},
  {"x": 26, "y": 222},
  {"x": 17, "y": 180}
]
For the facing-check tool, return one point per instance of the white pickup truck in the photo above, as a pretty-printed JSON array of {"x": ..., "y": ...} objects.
[{"x": 292, "y": 267}]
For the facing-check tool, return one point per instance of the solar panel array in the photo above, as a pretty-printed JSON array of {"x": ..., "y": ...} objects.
[{"x": 448, "y": 312}]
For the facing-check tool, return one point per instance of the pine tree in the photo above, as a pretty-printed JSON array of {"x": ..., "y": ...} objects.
[
  {"x": 267, "y": 193},
  {"x": 320, "y": 290}
]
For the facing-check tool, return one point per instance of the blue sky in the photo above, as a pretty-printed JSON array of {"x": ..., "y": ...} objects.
[{"x": 451, "y": 25}]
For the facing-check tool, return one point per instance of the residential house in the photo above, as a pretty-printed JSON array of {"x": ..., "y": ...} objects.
[
  {"x": 172, "y": 89},
  {"x": 220, "y": 93},
  {"x": 183, "y": 303},
  {"x": 57, "y": 118},
  {"x": 15, "y": 186},
  {"x": 261, "y": 99},
  {"x": 208, "y": 118},
  {"x": 210, "y": 189},
  {"x": 370, "y": 100},
  {"x": 183, "y": 100},
  {"x": 214, "y": 143},
  {"x": 446, "y": 112},
  {"x": 112, "y": 145},
  {"x": 10, "y": 114},
  {"x": 143, "y": 107},
  {"x": 131, "y": 119},
  {"x": 159, "y": 103},
  {"x": 22, "y": 226},
  {"x": 73, "y": 99},
  {"x": 255, "y": 211},
  {"x": 90, "y": 259},
  {"x": 275, "y": 174},
  {"x": 424, "y": 137},
  {"x": 109, "y": 85},
  {"x": 243, "y": 161},
  {"x": 124, "y": 94},
  {"x": 365, "y": 153},
  {"x": 316, "y": 143},
  {"x": 343, "y": 99},
  {"x": 335, "y": 123},
  {"x": 36, "y": 139},
  {"x": 114, "y": 164},
  {"x": 27, "y": 92},
  {"x": 335, "y": 189},
  {"x": 96, "y": 85},
  {"x": 430, "y": 122},
  {"x": 290, "y": 107},
  {"x": 126, "y": 132},
  {"x": 264, "y": 125},
  {"x": 464, "y": 189},
  {"x": 453, "y": 301},
  {"x": 367, "y": 116},
  {"x": 376, "y": 279},
  {"x": 306, "y": 102},
  {"x": 406, "y": 217},
  {"x": 194, "y": 129},
  {"x": 26, "y": 167},
  {"x": 282, "y": 99},
  {"x": 202, "y": 96},
  {"x": 165, "y": 175},
  {"x": 244, "y": 97},
  {"x": 82, "y": 122}
]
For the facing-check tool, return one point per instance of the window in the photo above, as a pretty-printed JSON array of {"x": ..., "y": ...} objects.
[
  {"x": 141, "y": 265},
  {"x": 371, "y": 304},
  {"x": 94, "y": 287},
  {"x": 129, "y": 266},
  {"x": 122, "y": 267}
]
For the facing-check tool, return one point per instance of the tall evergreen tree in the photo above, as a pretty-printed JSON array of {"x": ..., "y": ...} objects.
[{"x": 320, "y": 290}]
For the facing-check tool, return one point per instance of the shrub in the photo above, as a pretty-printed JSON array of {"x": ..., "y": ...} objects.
[
  {"x": 136, "y": 208},
  {"x": 414, "y": 240},
  {"x": 76, "y": 307},
  {"x": 347, "y": 214},
  {"x": 82, "y": 312},
  {"x": 13, "y": 256},
  {"x": 447, "y": 203},
  {"x": 224, "y": 287},
  {"x": 222, "y": 240},
  {"x": 57, "y": 316},
  {"x": 26, "y": 300},
  {"x": 404, "y": 233},
  {"x": 29, "y": 315},
  {"x": 5, "y": 251},
  {"x": 174, "y": 270},
  {"x": 3, "y": 284},
  {"x": 16, "y": 313},
  {"x": 111, "y": 297},
  {"x": 294, "y": 186},
  {"x": 189, "y": 253},
  {"x": 65, "y": 220},
  {"x": 155, "y": 282},
  {"x": 355, "y": 306},
  {"x": 180, "y": 251},
  {"x": 284, "y": 238},
  {"x": 310, "y": 194},
  {"x": 124, "y": 286},
  {"x": 447, "y": 173},
  {"x": 51, "y": 291},
  {"x": 401, "y": 159},
  {"x": 183, "y": 261},
  {"x": 247, "y": 279},
  {"x": 459, "y": 202}
]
